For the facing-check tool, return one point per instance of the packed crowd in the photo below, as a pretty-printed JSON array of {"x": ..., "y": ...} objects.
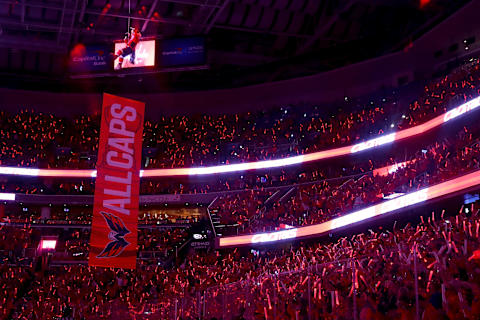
[
  {"x": 43, "y": 140},
  {"x": 77, "y": 214},
  {"x": 372, "y": 274},
  {"x": 40, "y": 140},
  {"x": 13, "y": 281},
  {"x": 46, "y": 141},
  {"x": 19, "y": 243},
  {"x": 312, "y": 203},
  {"x": 306, "y": 202}
]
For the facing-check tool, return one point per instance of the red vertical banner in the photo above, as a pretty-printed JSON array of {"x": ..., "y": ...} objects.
[{"x": 113, "y": 239}]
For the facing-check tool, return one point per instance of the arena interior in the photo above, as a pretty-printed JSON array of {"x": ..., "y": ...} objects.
[{"x": 240, "y": 159}]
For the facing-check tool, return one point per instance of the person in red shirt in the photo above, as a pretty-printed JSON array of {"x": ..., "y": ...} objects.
[{"x": 131, "y": 40}]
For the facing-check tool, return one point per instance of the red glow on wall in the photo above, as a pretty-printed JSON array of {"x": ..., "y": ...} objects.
[
  {"x": 423, "y": 3},
  {"x": 106, "y": 8},
  {"x": 78, "y": 50}
]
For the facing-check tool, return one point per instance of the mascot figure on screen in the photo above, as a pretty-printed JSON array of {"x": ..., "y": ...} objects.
[{"x": 131, "y": 40}]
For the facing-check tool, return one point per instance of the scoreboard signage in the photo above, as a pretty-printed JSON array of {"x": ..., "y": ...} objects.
[
  {"x": 86, "y": 59},
  {"x": 182, "y": 52},
  {"x": 144, "y": 54}
]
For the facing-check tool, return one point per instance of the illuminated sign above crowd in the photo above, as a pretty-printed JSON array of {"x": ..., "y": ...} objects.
[
  {"x": 88, "y": 59},
  {"x": 275, "y": 236},
  {"x": 182, "y": 52},
  {"x": 435, "y": 191},
  {"x": 373, "y": 143},
  {"x": 464, "y": 108},
  {"x": 267, "y": 164}
]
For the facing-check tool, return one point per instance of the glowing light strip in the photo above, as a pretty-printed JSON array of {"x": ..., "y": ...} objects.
[
  {"x": 315, "y": 156},
  {"x": 7, "y": 196},
  {"x": 407, "y": 200},
  {"x": 48, "y": 244},
  {"x": 385, "y": 171}
]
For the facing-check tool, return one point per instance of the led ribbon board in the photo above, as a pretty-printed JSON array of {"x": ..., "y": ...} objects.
[
  {"x": 444, "y": 188},
  {"x": 315, "y": 156},
  {"x": 7, "y": 196}
]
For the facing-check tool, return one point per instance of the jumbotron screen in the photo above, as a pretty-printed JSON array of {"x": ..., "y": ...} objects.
[{"x": 144, "y": 54}]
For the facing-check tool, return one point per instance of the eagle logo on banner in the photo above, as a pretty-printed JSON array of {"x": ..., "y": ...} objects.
[{"x": 117, "y": 233}]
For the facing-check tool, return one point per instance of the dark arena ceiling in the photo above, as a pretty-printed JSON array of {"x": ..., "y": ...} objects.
[{"x": 248, "y": 41}]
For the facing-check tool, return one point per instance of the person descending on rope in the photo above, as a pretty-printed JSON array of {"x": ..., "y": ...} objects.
[{"x": 131, "y": 40}]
